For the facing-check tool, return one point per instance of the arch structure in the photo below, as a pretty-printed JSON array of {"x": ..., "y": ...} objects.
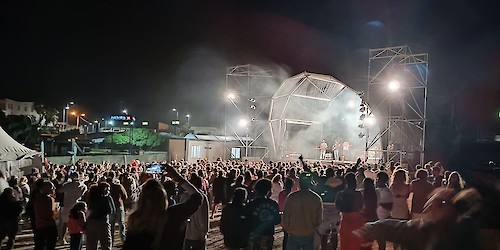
[{"x": 308, "y": 108}]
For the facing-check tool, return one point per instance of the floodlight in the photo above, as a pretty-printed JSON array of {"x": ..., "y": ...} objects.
[
  {"x": 393, "y": 85},
  {"x": 231, "y": 96},
  {"x": 243, "y": 122},
  {"x": 370, "y": 120},
  {"x": 351, "y": 104}
]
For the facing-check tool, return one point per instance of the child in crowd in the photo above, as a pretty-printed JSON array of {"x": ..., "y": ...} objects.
[{"x": 76, "y": 225}]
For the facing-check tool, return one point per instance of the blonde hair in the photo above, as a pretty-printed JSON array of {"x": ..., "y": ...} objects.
[{"x": 152, "y": 204}]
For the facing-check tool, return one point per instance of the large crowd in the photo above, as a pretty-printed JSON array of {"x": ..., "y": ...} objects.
[{"x": 318, "y": 205}]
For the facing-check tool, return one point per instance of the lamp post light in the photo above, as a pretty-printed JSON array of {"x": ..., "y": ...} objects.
[
  {"x": 65, "y": 112},
  {"x": 176, "y": 112},
  {"x": 188, "y": 117},
  {"x": 176, "y": 118}
]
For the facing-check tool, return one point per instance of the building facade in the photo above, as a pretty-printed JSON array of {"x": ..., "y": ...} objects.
[{"x": 11, "y": 107}]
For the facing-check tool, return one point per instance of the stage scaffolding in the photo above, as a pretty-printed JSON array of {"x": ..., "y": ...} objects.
[
  {"x": 397, "y": 95},
  {"x": 249, "y": 89}
]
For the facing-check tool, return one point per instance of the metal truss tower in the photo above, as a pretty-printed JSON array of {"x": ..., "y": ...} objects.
[
  {"x": 249, "y": 89},
  {"x": 397, "y": 95}
]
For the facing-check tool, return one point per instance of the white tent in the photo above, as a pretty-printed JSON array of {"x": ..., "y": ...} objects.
[{"x": 15, "y": 158}]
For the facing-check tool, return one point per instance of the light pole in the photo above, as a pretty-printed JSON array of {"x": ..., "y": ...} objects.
[
  {"x": 188, "y": 116},
  {"x": 65, "y": 113},
  {"x": 177, "y": 119}
]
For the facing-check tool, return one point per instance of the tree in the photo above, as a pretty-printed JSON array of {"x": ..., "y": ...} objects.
[
  {"x": 48, "y": 115},
  {"x": 139, "y": 137},
  {"x": 19, "y": 127}
]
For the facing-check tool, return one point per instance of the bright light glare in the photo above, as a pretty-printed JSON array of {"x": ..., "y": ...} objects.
[
  {"x": 393, "y": 85},
  {"x": 82, "y": 115},
  {"x": 243, "y": 122},
  {"x": 231, "y": 96},
  {"x": 124, "y": 111},
  {"x": 351, "y": 104},
  {"x": 370, "y": 120}
]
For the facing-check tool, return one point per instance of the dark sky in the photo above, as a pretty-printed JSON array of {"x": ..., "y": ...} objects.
[{"x": 151, "y": 56}]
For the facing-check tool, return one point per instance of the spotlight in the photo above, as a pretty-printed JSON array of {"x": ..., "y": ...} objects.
[
  {"x": 361, "y": 135},
  {"x": 393, "y": 85},
  {"x": 362, "y": 117},
  {"x": 253, "y": 119},
  {"x": 370, "y": 120},
  {"x": 253, "y": 107},
  {"x": 361, "y": 125},
  {"x": 243, "y": 122},
  {"x": 362, "y": 109},
  {"x": 351, "y": 104},
  {"x": 251, "y": 99},
  {"x": 230, "y": 96}
]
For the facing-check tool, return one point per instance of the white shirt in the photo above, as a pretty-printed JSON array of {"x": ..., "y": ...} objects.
[{"x": 384, "y": 195}]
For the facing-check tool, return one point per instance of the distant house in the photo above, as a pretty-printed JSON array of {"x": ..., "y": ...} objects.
[
  {"x": 193, "y": 147},
  {"x": 11, "y": 107}
]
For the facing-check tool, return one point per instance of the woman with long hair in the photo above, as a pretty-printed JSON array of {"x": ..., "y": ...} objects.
[
  {"x": 277, "y": 187},
  {"x": 76, "y": 225},
  {"x": 155, "y": 225},
  {"x": 400, "y": 193},
  {"x": 455, "y": 181},
  {"x": 369, "y": 200}
]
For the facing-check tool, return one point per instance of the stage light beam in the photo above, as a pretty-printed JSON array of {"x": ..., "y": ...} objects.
[{"x": 393, "y": 86}]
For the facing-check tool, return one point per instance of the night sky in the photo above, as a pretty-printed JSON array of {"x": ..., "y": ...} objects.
[{"x": 151, "y": 56}]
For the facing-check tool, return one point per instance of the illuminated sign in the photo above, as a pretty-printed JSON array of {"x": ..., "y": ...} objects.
[
  {"x": 176, "y": 122},
  {"x": 122, "y": 118}
]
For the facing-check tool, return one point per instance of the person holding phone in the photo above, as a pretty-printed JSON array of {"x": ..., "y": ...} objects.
[{"x": 155, "y": 225}]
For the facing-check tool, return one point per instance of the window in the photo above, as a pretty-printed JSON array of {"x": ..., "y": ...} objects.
[
  {"x": 18, "y": 107},
  {"x": 196, "y": 151},
  {"x": 25, "y": 109},
  {"x": 235, "y": 153},
  {"x": 10, "y": 106}
]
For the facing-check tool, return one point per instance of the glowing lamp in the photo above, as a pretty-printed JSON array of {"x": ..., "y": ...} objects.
[{"x": 393, "y": 85}]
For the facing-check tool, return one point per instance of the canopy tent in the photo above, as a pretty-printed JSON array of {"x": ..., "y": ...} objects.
[{"x": 14, "y": 157}]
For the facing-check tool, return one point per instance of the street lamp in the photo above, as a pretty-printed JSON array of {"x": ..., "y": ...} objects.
[
  {"x": 65, "y": 112},
  {"x": 188, "y": 116},
  {"x": 177, "y": 119},
  {"x": 78, "y": 116},
  {"x": 176, "y": 112}
]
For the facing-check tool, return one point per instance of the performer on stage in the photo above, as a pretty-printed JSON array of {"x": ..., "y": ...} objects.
[
  {"x": 345, "y": 147},
  {"x": 335, "y": 148},
  {"x": 322, "y": 149}
]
